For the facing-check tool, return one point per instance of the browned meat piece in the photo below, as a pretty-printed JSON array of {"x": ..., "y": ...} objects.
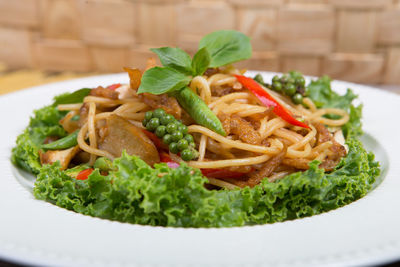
[
  {"x": 63, "y": 156},
  {"x": 267, "y": 168},
  {"x": 104, "y": 92},
  {"x": 211, "y": 71},
  {"x": 244, "y": 130},
  {"x": 323, "y": 135},
  {"x": 226, "y": 122},
  {"x": 122, "y": 135},
  {"x": 301, "y": 164},
  {"x": 169, "y": 104},
  {"x": 240, "y": 127},
  {"x": 331, "y": 161},
  {"x": 221, "y": 91}
]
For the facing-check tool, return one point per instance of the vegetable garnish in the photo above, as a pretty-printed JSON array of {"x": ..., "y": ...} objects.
[
  {"x": 173, "y": 133},
  {"x": 83, "y": 175},
  {"x": 114, "y": 86},
  {"x": 63, "y": 143},
  {"x": 268, "y": 100},
  {"x": 215, "y": 49}
]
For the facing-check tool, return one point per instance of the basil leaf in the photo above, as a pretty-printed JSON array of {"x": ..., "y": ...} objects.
[
  {"x": 160, "y": 80},
  {"x": 175, "y": 58},
  {"x": 71, "y": 98},
  {"x": 226, "y": 46},
  {"x": 201, "y": 61}
]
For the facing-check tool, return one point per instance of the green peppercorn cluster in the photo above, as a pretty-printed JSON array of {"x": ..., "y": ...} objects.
[
  {"x": 172, "y": 132},
  {"x": 291, "y": 84}
]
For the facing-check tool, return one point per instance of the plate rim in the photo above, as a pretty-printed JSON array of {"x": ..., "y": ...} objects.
[{"x": 119, "y": 76}]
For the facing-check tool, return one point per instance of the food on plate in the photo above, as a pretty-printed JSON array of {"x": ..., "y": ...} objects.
[{"x": 197, "y": 143}]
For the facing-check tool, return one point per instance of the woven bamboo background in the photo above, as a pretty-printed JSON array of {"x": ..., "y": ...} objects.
[{"x": 354, "y": 40}]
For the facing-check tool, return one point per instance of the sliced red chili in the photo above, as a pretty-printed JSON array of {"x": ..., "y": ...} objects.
[
  {"x": 268, "y": 100},
  {"x": 114, "y": 86},
  {"x": 83, "y": 175}
]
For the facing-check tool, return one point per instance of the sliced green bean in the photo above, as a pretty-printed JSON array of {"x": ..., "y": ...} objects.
[
  {"x": 198, "y": 110},
  {"x": 63, "y": 143}
]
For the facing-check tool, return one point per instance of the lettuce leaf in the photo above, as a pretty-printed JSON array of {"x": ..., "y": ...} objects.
[{"x": 138, "y": 193}]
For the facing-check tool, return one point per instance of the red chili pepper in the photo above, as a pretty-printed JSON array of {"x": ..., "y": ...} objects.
[
  {"x": 153, "y": 138},
  {"x": 221, "y": 173},
  {"x": 165, "y": 157},
  {"x": 268, "y": 100},
  {"x": 114, "y": 86},
  {"x": 83, "y": 175}
]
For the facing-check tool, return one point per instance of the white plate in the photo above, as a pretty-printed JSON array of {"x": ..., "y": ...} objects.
[{"x": 363, "y": 232}]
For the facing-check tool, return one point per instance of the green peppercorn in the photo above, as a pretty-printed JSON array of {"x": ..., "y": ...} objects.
[
  {"x": 275, "y": 79},
  {"x": 258, "y": 78},
  {"x": 167, "y": 139},
  {"x": 172, "y": 127},
  {"x": 153, "y": 124},
  {"x": 289, "y": 89},
  {"x": 167, "y": 118},
  {"x": 183, "y": 128},
  {"x": 297, "y": 98},
  {"x": 300, "y": 81},
  {"x": 188, "y": 138},
  {"x": 284, "y": 78},
  {"x": 158, "y": 113},
  {"x": 173, "y": 147},
  {"x": 148, "y": 115},
  {"x": 277, "y": 86},
  {"x": 176, "y": 136},
  {"x": 182, "y": 144},
  {"x": 144, "y": 122},
  {"x": 161, "y": 131},
  {"x": 291, "y": 81},
  {"x": 187, "y": 154}
]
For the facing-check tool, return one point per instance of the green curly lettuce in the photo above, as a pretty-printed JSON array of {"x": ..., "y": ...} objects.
[{"x": 134, "y": 192}]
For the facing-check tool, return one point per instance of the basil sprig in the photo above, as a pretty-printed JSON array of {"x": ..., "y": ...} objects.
[{"x": 215, "y": 50}]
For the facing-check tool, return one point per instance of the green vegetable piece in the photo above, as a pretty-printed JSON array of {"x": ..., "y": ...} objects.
[
  {"x": 63, "y": 143},
  {"x": 259, "y": 78},
  {"x": 183, "y": 128},
  {"x": 201, "y": 61},
  {"x": 72, "y": 98},
  {"x": 291, "y": 81},
  {"x": 277, "y": 86},
  {"x": 144, "y": 122},
  {"x": 167, "y": 139},
  {"x": 159, "y": 80},
  {"x": 174, "y": 58},
  {"x": 284, "y": 79},
  {"x": 300, "y": 81},
  {"x": 182, "y": 144},
  {"x": 198, "y": 110},
  {"x": 172, "y": 127},
  {"x": 275, "y": 79},
  {"x": 148, "y": 115},
  {"x": 189, "y": 138},
  {"x": 297, "y": 98},
  {"x": 173, "y": 147},
  {"x": 187, "y": 154},
  {"x": 103, "y": 164},
  {"x": 226, "y": 47},
  {"x": 176, "y": 136},
  {"x": 168, "y": 118},
  {"x": 159, "y": 113},
  {"x": 153, "y": 124},
  {"x": 289, "y": 89},
  {"x": 161, "y": 131}
]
